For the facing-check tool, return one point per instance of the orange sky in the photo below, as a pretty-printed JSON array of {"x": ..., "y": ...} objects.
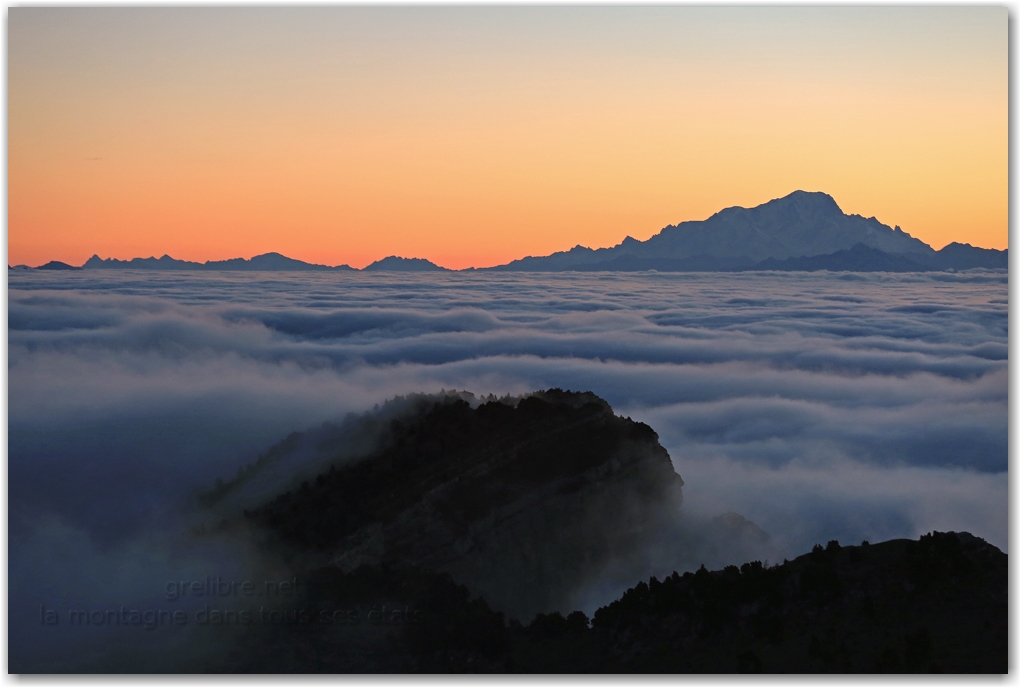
[{"x": 474, "y": 136}]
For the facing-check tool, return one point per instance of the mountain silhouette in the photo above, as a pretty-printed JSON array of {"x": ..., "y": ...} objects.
[
  {"x": 860, "y": 258},
  {"x": 269, "y": 262},
  {"x": 55, "y": 265},
  {"x": 461, "y": 489},
  {"x": 397, "y": 264},
  {"x": 801, "y": 225},
  {"x": 788, "y": 234},
  {"x": 963, "y": 256}
]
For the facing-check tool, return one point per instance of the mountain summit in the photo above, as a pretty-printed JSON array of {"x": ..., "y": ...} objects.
[
  {"x": 397, "y": 264},
  {"x": 801, "y": 224}
]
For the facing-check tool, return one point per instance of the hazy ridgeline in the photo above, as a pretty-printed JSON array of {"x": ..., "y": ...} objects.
[{"x": 821, "y": 406}]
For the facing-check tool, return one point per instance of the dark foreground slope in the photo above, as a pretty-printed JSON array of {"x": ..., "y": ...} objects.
[
  {"x": 460, "y": 534},
  {"x": 934, "y": 605}
]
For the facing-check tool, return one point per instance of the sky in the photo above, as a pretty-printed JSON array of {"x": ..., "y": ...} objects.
[{"x": 472, "y": 136}]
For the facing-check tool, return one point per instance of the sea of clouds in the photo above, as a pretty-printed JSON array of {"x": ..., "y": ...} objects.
[{"x": 818, "y": 405}]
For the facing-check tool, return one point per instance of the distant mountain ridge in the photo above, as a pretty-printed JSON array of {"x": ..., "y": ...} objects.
[
  {"x": 273, "y": 262},
  {"x": 804, "y": 231},
  {"x": 396, "y": 264},
  {"x": 268, "y": 262},
  {"x": 782, "y": 234}
]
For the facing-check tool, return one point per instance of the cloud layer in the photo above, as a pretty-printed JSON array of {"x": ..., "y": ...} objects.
[{"x": 818, "y": 405}]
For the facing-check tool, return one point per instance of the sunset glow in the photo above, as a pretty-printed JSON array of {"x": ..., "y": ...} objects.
[{"x": 475, "y": 136}]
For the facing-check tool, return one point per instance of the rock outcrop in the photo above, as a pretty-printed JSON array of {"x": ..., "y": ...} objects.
[{"x": 522, "y": 500}]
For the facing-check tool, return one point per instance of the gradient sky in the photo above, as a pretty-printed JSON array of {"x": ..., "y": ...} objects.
[{"x": 472, "y": 136}]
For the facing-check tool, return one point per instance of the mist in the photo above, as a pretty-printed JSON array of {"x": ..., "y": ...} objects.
[{"x": 819, "y": 406}]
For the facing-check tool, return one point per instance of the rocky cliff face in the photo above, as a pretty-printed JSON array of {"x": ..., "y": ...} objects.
[{"x": 524, "y": 501}]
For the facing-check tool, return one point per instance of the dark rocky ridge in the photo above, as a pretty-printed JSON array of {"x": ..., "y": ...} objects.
[{"x": 522, "y": 500}]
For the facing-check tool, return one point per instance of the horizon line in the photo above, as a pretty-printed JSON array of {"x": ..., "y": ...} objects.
[{"x": 346, "y": 266}]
